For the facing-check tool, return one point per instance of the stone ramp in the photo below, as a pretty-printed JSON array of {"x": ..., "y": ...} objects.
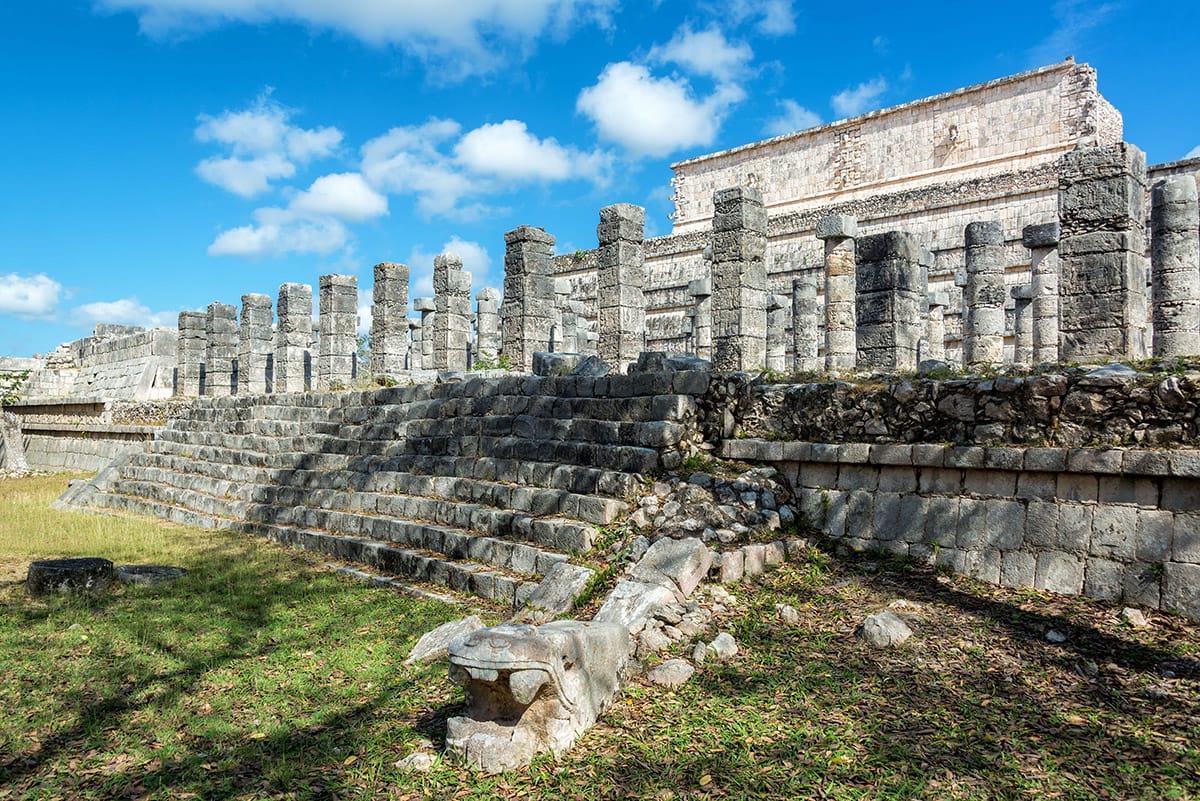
[{"x": 484, "y": 486}]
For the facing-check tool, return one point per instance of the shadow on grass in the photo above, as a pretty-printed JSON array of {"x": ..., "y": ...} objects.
[{"x": 234, "y": 608}]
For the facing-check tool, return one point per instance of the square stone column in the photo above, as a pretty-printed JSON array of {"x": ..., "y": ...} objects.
[
  {"x": 935, "y": 338},
  {"x": 338, "y": 319},
  {"x": 293, "y": 333},
  {"x": 1042, "y": 241},
  {"x": 423, "y": 334},
  {"x": 528, "y": 308},
  {"x": 701, "y": 313},
  {"x": 452, "y": 301},
  {"x": 888, "y": 301},
  {"x": 221, "y": 346},
  {"x": 487, "y": 323},
  {"x": 621, "y": 281},
  {"x": 1175, "y": 266},
  {"x": 838, "y": 232},
  {"x": 984, "y": 294},
  {"x": 739, "y": 280},
  {"x": 254, "y": 345},
  {"x": 389, "y": 319},
  {"x": 190, "y": 354},
  {"x": 412, "y": 353},
  {"x": 805, "y": 325},
  {"x": 1022, "y": 323},
  {"x": 1102, "y": 211},
  {"x": 777, "y": 321}
]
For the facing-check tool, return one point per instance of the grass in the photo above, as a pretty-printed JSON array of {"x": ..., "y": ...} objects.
[{"x": 262, "y": 675}]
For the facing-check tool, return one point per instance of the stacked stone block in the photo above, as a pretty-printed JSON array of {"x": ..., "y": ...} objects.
[
  {"x": 739, "y": 280},
  {"x": 1042, "y": 241},
  {"x": 254, "y": 345},
  {"x": 452, "y": 325},
  {"x": 423, "y": 334},
  {"x": 338, "y": 320},
  {"x": 221, "y": 347},
  {"x": 838, "y": 233},
  {"x": 1175, "y": 266},
  {"x": 191, "y": 348},
  {"x": 562, "y": 294},
  {"x": 805, "y": 323},
  {"x": 700, "y": 291},
  {"x": 487, "y": 323},
  {"x": 1022, "y": 323},
  {"x": 621, "y": 281},
  {"x": 389, "y": 319},
  {"x": 936, "y": 326},
  {"x": 777, "y": 321},
  {"x": 1101, "y": 208},
  {"x": 528, "y": 309},
  {"x": 984, "y": 295},
  {"x": 293, "y": 333},
  {"x": 888, "y": 301}
]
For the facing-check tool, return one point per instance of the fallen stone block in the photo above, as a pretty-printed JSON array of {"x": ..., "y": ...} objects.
[
  {"x": 631, "y": 603},
  {"x": 672, "y": 673},
  {"x": 561, "y": 586},
  {"x": 884, "y": 630},
  {"x": 678, "y": 565},
  {"x": 435, "y": 644}
]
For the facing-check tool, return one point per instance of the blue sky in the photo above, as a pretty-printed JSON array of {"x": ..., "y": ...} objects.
[{"x": 162, "y": 154}]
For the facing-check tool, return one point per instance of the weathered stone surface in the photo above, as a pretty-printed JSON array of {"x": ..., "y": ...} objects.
[
  {"x": 884, "y": 630},
  {"x": 190, "y": 350},
  {"x": 888, "y": 301},
  {"x": 838, "y": 233},
  {"x": 678, "y": 565},
  {"x": 723, "y": 647},
  {"x": 337, "y": 355},
  {"x": 293, "y": 335},
  {"x": 389, "y": 319},
  {"x": 592, "y": 367},
  {"x": 85, "y": 574},
  {"x": 221, "y": 344},
  {"x": 739, "y": 280},
  {"x": 985, "y": 294},
  {"x": 12, "y": 444},
  {"x": 434, "y": 644},
  {"x": 561, "y": 586},
  {"x": 254, "y": 345},
  {"x": 531, "y": 689},
  {"x": 452, "y": 306},
  {"x": 555, "y": 363},
  {"x": 527, "y": 313},
  {"x": 1175, "y": 266},
  {"x": 146, "y": 575},
  {"x": 805, "y": 325},
  {"x": 670, "y": 674},
  {"x": 632, "y": 602},
  {"x": 621, "y": 276}
]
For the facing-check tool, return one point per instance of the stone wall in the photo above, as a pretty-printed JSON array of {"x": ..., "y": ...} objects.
[
  {"x": 1112, "y": 405},
  {"x": 116, "y": 362},
  {"x": 1110, "y": 523}
]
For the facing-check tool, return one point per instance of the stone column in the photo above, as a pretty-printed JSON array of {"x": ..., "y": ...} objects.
[
  {"x": 193, "y": 341},
  {"x": 562, "y": 292},
  {"x": 621, "y": 279},
  {"x": 1042, "y": 241},
  {"x": 424, "y": 333},
  {"x": 927, "y": 261},
  {"x": 805, "y": 322},
  {"x": 338, "y": 319},
  {"x": 838, "y": 232},
  {"x": 1102, "y": 210},
  {"x": 574, "y": 327},
  {"x": 777, "y": 320},
  {"x": 1022, "y": 323},
  {"x": 487, "y": 323},
  {"x": 1175, "y": 265},
  {"x": 701, "y": 312},
  {"x": 984, "y": 295},
  {"x": 292, "y": 334},
  {"x": 452, "y": 302},
  {"x": 221, "y": 346},
  {"x": 888, "y": 302},
  {"x": 936, "y": 331},
  {"x": 739, "y": 280},
  {"x": 528, "y": 307},
  {"x": 389, "y": 319},
  {"x": 412, "y": 351},
  {"x": 254, "y": 345}
]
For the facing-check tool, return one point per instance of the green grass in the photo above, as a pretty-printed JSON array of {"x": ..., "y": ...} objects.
[{"x": 263, "y": 675}]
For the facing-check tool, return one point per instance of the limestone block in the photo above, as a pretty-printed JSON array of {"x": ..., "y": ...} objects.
[
  {"x": 435, "y": 644},
  {"x": 1104, "y": 579},
  {"x": 837, "y": 226},
  {"x": 631, "y": 603},
  {"x": 1059, "y": 572},
  {"x": 678, "y": 565},
  {"x": 1181, "y": 589}
]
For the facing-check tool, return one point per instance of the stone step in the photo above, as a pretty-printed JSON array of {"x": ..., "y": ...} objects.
[
  {"x": 357, "y": 513},
  {"x": 485, "y": 580},
  {"x": 260, "y": 484},
  {"x": 525, "y": 472}
]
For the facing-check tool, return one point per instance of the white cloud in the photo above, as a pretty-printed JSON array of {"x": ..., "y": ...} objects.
[
  {"x": 410, "y": 160},
  {"x": 276, "y": 232},
  {"x": 345, "y": 195},
  {"x": 1193, "y": 153},
  {"x": 705, "y": 52},
  {"x": 475, "y": 258},
  {"x": 770, "y": 17},
  {"x": 30, "y": 297},
  {"x": 651, "y": 116},
  {"x": 126, "y": 311},
  {"x": 852, "y": 102},
  {"x": 1073, "y": 19},
  {"x": 792, "y": 117},
  {"x": 479, "y": 34},
  {"x": 507, "y": 150},
  {"x": 263, "y": 146},
  {"x": 366, "y": 299}
]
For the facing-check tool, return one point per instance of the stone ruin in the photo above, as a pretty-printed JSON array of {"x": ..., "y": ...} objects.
[{"x": 498, "y": 483}]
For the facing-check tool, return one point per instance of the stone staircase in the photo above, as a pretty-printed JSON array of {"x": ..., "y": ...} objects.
[{"x": 484, "y": 486}]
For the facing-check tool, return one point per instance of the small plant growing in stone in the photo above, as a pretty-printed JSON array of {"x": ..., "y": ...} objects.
[
  {"x": 10, "y": 384},
  {"x": 491, "y": 361}
]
